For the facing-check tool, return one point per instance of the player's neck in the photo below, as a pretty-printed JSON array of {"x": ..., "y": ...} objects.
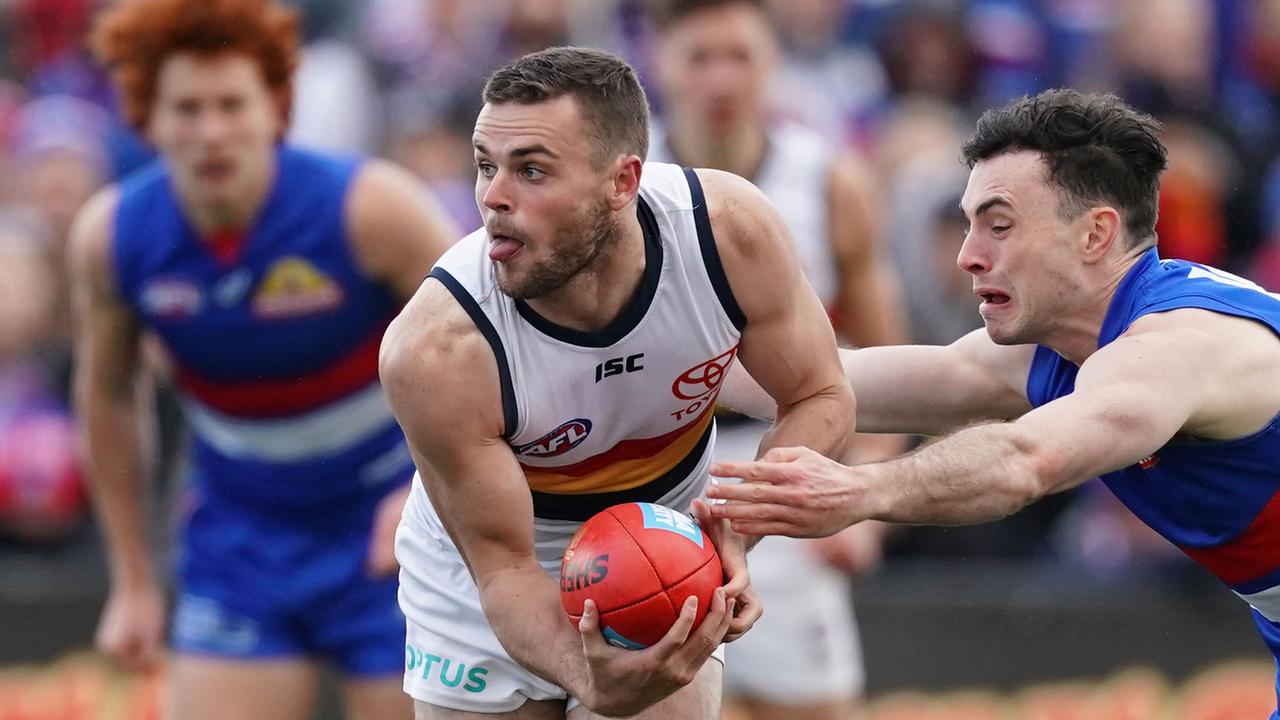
[
  {"x": 594, "y": 298},
  {"x": 233, "y": 213},
  {"x": 1076, "y": 331},
  {"x": 741, "y": 151}
]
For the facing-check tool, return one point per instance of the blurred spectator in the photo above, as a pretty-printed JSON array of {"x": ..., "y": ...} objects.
[
  {"x": 41, "y": 486},
  {"x": 1194, "y": 193},
  {"x": 1265, "y": 267},
  {"x": 1251, "y": 91},
  {"x": 336, "y": 106},
  {"x": 58, "y": 146},
  {"x": 835, "y": 87},
  {"x": 1156, "y": 78},
  {"x": 1097, "y": 533},
  {"x": 927, "y": 51},
  {"x": 11, "y": 96},
  {"x": 924, "y": 180},
  {"x": 429, "y": 52},
  {"x": 1013, "y": 47},
  {"x": 47, "y": 31}
]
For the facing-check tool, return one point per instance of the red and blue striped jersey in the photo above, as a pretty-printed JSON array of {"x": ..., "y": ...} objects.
[
  {"x": 273, "y": 334},
  {"x": 1217, "y": 500}
]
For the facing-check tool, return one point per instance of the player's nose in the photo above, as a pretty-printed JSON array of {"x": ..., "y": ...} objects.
[
  {"x": 496, "y": 195},
  {"x": 973, "y": 257}
]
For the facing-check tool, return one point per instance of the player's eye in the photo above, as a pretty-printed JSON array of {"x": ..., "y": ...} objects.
[
  {"x": 532, "y": 173},
  {"x": 487, "y": 169}
]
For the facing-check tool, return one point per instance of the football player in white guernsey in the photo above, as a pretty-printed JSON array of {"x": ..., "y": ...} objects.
[
  {"x": 715, "y": 61},
  {"x": 588, "y": 256}
]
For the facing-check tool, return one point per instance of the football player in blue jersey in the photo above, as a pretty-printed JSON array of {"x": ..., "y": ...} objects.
[
  {"x": 1098, "y": 358},
  {"x": 269, "y": 275}
]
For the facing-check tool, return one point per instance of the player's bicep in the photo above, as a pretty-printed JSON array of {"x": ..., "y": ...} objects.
[
  {"x": 1130, "y": 399},
  {"x": 441, "y": 379}
]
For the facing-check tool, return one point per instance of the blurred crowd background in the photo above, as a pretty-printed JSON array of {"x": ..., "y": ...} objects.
[{"x": 898, "y": 82}]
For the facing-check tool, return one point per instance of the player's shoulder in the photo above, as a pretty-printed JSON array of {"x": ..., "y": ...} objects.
[
  {"x": 91, "y": 237},
  {"x": 382, "y": 194},
  {"x": 433, "y": 334},
  {"x": 743, "y": 220},
  {"x": 438, "y": 367}
]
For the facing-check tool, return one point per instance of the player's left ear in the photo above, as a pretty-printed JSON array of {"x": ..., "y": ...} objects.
[
  {"x": 1100, "y": 233},
  {"x": 624, "y": 179}
]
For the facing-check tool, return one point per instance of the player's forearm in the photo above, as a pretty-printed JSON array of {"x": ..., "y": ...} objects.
[
  {"x": 116, "y": 477},
  {"x": 821, "y": 422},
  {"x": 524, "y": 610},
  {"x": 979, "y": 474}
]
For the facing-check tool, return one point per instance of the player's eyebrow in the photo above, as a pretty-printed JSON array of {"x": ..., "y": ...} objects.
[
  {"x": 525, "y": 151},
  {"x": 535, "y": 149},
  {"x": 993, "y": 202}
]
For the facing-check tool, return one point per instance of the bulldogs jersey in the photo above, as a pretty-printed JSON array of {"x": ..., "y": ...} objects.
[
  {"x": 273, "y": 338},
  {"x": 1217, "y": 500}
]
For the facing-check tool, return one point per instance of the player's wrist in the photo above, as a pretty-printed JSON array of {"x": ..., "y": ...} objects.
[{"x": 871, "y": 491}]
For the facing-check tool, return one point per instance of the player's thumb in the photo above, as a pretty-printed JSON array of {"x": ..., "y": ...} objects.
[
  {"x": 702, "y": 513},
  {"x": 589, "y": 625}
]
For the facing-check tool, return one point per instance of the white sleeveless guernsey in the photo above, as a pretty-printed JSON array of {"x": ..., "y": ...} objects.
[
  {"x": 795, "y": 175},
  {"x": 621, "y": 414},
  {"x": 595, "y": 419}
]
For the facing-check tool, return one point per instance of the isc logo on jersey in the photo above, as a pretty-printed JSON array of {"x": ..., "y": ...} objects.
[
  {"x": 559, "y": 441},
  {"x": 294, "y": 287}
]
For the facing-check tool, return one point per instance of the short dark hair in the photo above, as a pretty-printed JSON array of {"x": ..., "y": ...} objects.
[
  {"x": 1097, "y": 149},
  {"x": 606, "y": 88},
  {"x": 669, "y": 12}
]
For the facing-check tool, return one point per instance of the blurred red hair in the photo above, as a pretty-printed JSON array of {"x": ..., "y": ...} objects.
[{"x": 133, "y": 38}]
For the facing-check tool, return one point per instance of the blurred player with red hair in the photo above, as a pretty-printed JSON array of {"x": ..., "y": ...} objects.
[{"x": 269, "y": 274}]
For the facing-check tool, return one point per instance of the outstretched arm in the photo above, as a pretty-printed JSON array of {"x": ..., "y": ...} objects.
[
  {"x": 920, "y": 389},
  {"x": 1130, "y": 398}
]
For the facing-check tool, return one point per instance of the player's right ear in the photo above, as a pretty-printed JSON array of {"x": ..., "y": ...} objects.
[{"x": 625, "y": 175}]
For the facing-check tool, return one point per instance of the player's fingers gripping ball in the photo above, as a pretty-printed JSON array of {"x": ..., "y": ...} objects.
[{"x": 638, "y": 562}]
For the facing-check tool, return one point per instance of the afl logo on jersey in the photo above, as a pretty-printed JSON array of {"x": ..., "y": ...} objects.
[
  {"x": 171, "y": 299},
  {"x": 704, "y": 378},
  {"x": 559, "y": 441},
  {"x": 294, "y": 287}
]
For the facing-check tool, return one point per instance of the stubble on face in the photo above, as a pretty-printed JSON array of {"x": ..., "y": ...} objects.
[{"x": 575, "y": 249}]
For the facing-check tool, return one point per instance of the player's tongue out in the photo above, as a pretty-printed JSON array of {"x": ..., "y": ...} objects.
[{"x": 502, "y": 247}]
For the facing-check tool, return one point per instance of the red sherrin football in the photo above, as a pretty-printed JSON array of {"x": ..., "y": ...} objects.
[{"x": 638, "y": 562}]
